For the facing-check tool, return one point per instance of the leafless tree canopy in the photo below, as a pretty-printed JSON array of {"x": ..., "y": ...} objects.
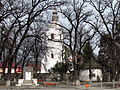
[
  {"x": 106, "y": 23},
  {"x": 22, "y": 28},
  {"x": 23, "y": 24}
]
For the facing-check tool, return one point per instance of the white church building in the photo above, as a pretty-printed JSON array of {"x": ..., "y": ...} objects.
[
  {"x": 55, "y": 48},
  {"x": 54, "y": 44}
]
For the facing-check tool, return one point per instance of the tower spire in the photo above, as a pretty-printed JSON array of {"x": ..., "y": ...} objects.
[{"x": 54, "y": 15}]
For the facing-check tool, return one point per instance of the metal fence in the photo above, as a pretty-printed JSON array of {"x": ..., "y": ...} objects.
[{"x": 106, "y": 84}]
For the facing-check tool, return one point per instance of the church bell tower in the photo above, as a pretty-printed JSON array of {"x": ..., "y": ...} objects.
[{"x": 54, "y": 43}]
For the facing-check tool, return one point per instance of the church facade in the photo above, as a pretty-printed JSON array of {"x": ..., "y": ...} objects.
[{"x": 54, "y": 44}]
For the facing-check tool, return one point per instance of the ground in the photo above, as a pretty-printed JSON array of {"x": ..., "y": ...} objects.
[{"x": 58, "y": 88}]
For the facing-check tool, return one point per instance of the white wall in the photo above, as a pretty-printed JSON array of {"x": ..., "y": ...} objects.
[
  {"x": 54, "y": 47},
  {"x": 84, "y": 74},
  {"x": 6, "y": 70}
]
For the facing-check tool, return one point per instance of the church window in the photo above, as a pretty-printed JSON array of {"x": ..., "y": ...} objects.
[
  {"x": 52, "y": 56},
  {"x": 60, "y": 37},
  {"x": 52, "y": 36}
]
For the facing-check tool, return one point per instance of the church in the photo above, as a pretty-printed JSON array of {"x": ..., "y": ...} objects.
[{"x": 54, "y": 44}]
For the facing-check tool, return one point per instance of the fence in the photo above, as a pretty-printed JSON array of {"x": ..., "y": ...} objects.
[{"x": 106, "y": 84}]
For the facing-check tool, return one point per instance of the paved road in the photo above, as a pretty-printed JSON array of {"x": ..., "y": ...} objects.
[{"x": 57, "y": 88}]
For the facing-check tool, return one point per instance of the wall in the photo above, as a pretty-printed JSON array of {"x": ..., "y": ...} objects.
[{"x": 84, "y": 75}]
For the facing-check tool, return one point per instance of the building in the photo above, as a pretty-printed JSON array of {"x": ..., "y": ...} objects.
[
  {"x": 95, "y": 69},
  {"x": 54, "y": 44},
  {"x": 18, "y": 68}
]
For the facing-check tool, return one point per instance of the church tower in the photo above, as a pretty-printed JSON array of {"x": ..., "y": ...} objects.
[{"x": 54, "y": 43}]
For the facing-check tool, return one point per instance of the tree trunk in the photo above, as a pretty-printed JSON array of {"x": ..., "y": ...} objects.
[
  {"x": 9, "y": 69},
  {"x": 4, "y": 68},
  {"x": 76, "y": 72},
  {"x": 36, "y": 63},
  {"x": 90, "y": 72}
]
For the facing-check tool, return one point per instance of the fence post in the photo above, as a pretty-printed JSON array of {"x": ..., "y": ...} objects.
[
  {"x": 101, "y": 85},
  {"x": 113, "y": 84}
]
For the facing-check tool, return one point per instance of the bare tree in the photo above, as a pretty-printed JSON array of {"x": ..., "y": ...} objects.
[
  {"x": 105, "y": 20},
  {"x": 75, "y": 32},
  {"x": 17, "y": 26}
]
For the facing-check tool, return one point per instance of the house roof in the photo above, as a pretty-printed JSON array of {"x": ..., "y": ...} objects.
[
  {"x": 94, "y": 65},
  {"x": 34, "y": 66},
  {"x": 13, "y": 65}
]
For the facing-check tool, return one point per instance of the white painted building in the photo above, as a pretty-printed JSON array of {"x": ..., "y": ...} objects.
[
  {"x": 54, "y": 52},
  {"x": 54, "y": 44},
  {"x": 95, "y": 69},
  {"x": 84, "y": 75}
]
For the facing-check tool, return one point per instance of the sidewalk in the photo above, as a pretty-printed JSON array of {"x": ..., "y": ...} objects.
[
  {"x": 95, "y": 88},
  {"x": 81, "y": 87}
]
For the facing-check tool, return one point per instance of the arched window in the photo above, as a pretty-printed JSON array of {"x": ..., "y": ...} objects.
[
  {"x": 52, "y": 36},
  {"x": 52, "y": 56}
]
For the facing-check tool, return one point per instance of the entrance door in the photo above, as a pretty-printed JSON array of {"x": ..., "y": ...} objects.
[{"x": 27, "y": 75}]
